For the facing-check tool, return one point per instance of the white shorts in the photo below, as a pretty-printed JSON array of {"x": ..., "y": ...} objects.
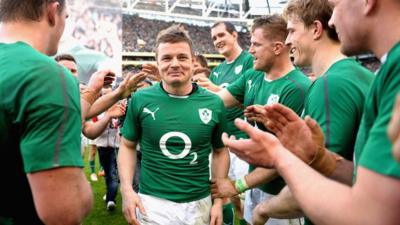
[
  {"x": 164, "y": 212},
  {"x": 238, "y": 168},
  {"x": 253, "y": 198}
]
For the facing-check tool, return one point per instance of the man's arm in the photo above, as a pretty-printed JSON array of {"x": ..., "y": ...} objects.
[
  {"x": 93, "y": 130},
  {"x": 227, "y": 98},
  {"x": 285, "y": 206},
  {"x": 61, "y": 195},
  {"x": 325, "y": 201},
  {"x": 222, "y": 188},
  {"x": 219, "y": 169},
  {"x": 126, "y": 170},
  {"x": 129, "y": 85}
]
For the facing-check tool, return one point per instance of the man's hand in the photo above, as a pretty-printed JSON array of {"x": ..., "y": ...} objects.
[
  {"x": 260, "y": 150},
  {"x": 394, "y": 129},
  {"x": 256, "y": 113},
  {"x": 130, "y": 84},
  {"x": 206, "y": 83},
  {"x": 293, "y": 132},
  {"x": 216, "y": 217},
  {"x": 152, "y": 71},
  {"x": 117, "y": 110},
  {"x": 304, "y": 138},
  {"x": 222, "y": 188},
  {"x": 259, "y": 216},
  {"x": 131, "y": 201},
  {"x": 100, "y": 79}
]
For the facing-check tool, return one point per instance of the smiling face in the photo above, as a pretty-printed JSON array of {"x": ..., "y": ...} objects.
[
  {"x": 223, "y": 41},
  {"x": 175, "y": 62},
  {"x": 300, "y": 40}
]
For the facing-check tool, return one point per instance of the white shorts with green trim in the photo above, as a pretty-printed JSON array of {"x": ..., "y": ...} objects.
[{"x": 160, "y": 211}]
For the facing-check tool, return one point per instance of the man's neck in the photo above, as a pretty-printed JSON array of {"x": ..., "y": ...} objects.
[
  {"x": 281, "y": 67},
  {"x": 237, "y": 50},
  {"x": 178, "y": 90},
  {"x": 385, "y": 31},
  {"x": 329, "y": 51},
  {"x": 27, "y": 32}
]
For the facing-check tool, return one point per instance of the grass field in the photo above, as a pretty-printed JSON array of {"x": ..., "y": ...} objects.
[{"x": 99, "y": 214}]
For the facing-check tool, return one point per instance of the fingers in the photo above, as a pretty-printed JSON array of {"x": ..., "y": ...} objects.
[
  {"x": 284, "y": 111},
  {"x": 314, "y": 127},
  {"x": 247, "y": 128},
  {"x": 130, "y": 216}
]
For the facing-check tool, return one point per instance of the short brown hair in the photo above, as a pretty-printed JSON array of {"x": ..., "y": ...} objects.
[
  {"x": 174, "y": 34},
  {"x": 12, "y": 10},
  {"x": 274, "y": 27},
  {"x": 228, "y": 26},
  {"x": 309, "y": 11},
  {"x": 66, "y": 57}
]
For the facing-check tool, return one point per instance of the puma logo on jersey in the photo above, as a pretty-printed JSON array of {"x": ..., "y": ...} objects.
[
  {"x": 250, "y": 84},
  {"x": 216, "y": 74},
  {"x": 146, "y": 110}
]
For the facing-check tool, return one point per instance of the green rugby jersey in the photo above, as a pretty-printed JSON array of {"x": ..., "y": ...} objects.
[
  {"x": 336, "y": 101},
  {"x": 289, "y": 90},
  {"x": 373, "y": 148},
  {"x": 40, "y": 124},
  {"x": 226, "y": 73},
  {"x": 176, "y": 136}
]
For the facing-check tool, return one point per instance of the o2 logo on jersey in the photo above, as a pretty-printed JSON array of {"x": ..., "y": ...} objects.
[{"x": 185, "y": 151}]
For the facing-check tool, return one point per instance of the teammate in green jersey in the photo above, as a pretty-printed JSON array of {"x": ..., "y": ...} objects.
[
  {"x": 274, "y": 79},
  {"x": 177, "y": 124},
  {"x": 374, "y": 197},
  {"x": 335, "y": 100},
  {"x": 236, "y": 63},
  {"x": 40, "y": 119}
]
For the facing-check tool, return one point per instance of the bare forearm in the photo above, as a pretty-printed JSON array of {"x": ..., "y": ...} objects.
[
  {"x": 126, "y": 166},
  {"x": 260, "y": 176},
  {"x": 93, "y": 130},
  {"x": 102, "y": 104},
  {"x": 329, "y": 202},
  {"x": 343, "y": 172},
  {"x": 220, "y": 163}
]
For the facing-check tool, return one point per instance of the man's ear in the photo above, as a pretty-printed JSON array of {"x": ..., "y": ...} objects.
[
  {"x": 317, "y": 29},
  {"x": 52, "y": 10},
  {"x": 369, "y": 6},
  {"x": 278, "y": 48}
]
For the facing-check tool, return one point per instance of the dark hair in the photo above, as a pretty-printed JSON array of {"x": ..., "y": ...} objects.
[
  {"x": 202, "y": 60},
  {"x": 174, "y": 34},
  {"x": 12, "y": 10},
  {"x": 309, "y": 11},
  {"x": 274, "y": 27},
  {"x": 228, "y": 26},
  {"x": 66, "y": 57}
]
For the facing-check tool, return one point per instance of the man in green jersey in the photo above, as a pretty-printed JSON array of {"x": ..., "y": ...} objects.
[
  {"x": 274, "y": 79},
  {"x": 374, "y": 197},
  {"x": 335, "y": 100},
  {"x": 178, "y": 124},
  {"x": 40, "y": 119},
  {"x": 236, "y": 63}
]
